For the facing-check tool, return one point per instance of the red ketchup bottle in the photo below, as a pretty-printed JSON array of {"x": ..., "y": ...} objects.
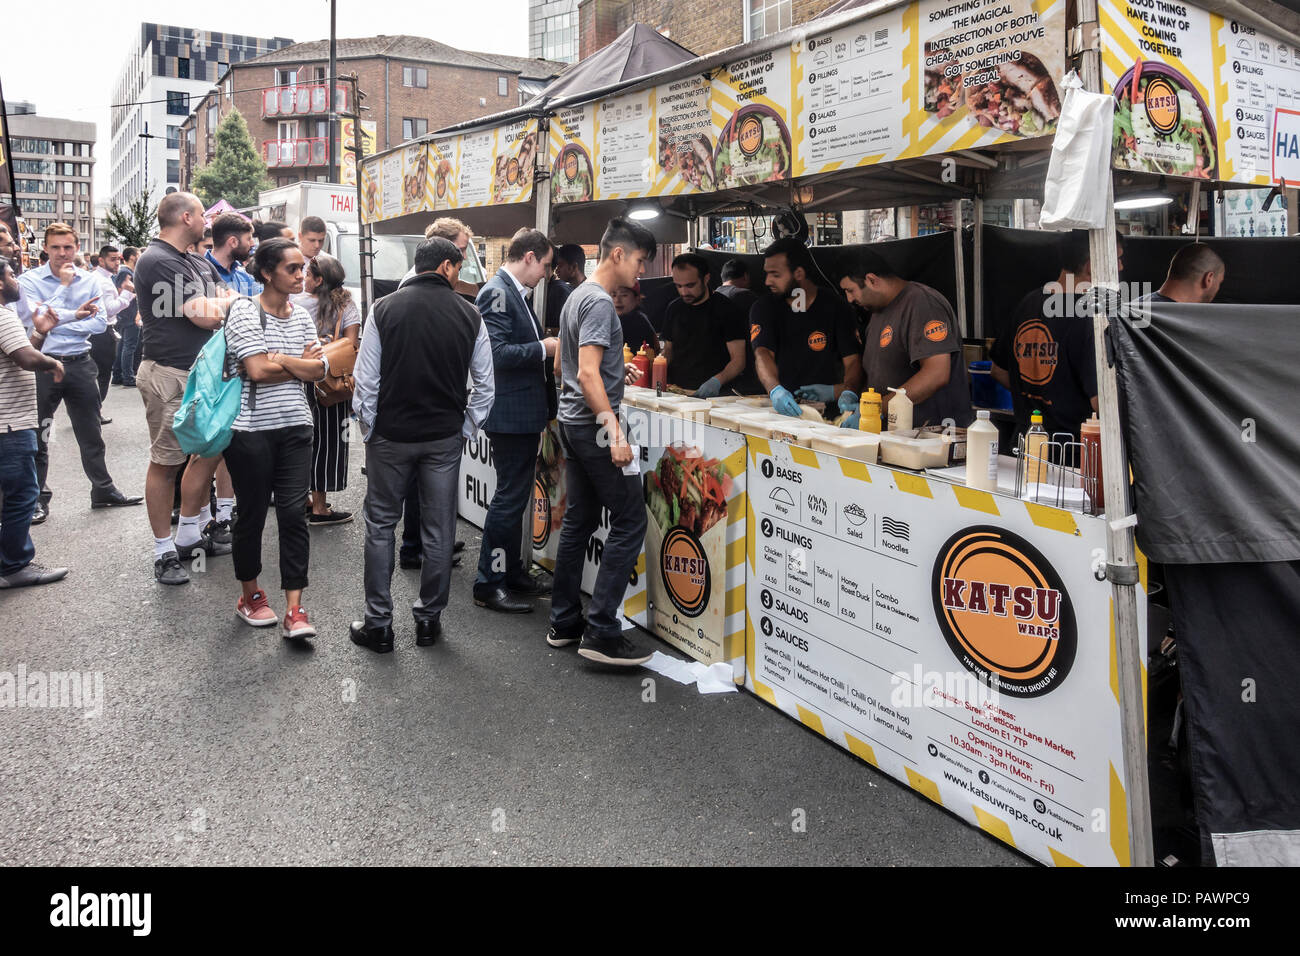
[{"x": 642, "y": 362}]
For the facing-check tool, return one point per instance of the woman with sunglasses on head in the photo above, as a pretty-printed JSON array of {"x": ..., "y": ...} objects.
[
  {"x": 273, "y": 342},
  {"x": 335, "y": 315}
]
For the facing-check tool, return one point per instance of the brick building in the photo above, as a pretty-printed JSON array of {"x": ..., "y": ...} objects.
[
  {"x": 409, "y": 85},
  {"x": 701, "y": 28}
]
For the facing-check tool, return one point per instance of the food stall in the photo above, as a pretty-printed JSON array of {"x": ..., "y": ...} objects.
[{"x": 983, "y": 649}]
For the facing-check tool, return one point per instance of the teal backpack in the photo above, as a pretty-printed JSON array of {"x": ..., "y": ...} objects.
[{"x": 211, "y": 401}]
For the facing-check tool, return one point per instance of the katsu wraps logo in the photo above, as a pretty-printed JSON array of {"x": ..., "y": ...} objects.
[
  {"x": 1004, "y": 611},
  {"x": 541, "y": 515},
  {"x": 685, "y": 571}
]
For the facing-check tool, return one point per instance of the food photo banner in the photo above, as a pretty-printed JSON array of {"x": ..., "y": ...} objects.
[
  {"x": 923, "y": 79},
  {"x": 1197, "y": 95}
]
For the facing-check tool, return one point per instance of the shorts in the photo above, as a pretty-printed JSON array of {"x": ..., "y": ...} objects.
[{"x": 161, "y": 387}]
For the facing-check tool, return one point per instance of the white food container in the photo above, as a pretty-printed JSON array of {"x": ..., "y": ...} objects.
[
  {"x": 859, "y": 446},
  {"x": 914, "y": 453}
]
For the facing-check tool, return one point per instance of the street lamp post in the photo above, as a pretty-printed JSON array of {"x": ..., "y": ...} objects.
[{"x": 146, "y": 135}]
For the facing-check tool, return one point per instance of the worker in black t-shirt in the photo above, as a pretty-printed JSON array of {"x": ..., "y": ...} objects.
[
  {"x": 703, "y": 334},
  {"x": 805, "y": 338},
  {"x": 1045, "y": 357}
]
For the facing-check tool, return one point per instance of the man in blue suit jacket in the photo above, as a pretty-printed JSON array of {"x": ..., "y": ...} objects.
[{"x": 522, "y": 358}]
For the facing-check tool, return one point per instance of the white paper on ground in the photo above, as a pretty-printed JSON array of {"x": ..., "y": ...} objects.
[{"x": 715, "y": 679}]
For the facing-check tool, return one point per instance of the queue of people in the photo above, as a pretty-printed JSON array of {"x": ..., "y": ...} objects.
[{"x": 433, "y": 369}]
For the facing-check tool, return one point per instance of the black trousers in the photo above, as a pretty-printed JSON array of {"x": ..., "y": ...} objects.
[
  {"x": 261, "y": 463},
  {"x": 103, "y": 349},
  {"x": 80, "y": 391}
]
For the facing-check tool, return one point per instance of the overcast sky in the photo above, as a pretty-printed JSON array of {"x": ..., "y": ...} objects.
[{"x": 66, "y": 59}]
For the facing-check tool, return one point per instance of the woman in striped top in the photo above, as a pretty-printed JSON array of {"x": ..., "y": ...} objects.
[{"x": 275, "y": 346}]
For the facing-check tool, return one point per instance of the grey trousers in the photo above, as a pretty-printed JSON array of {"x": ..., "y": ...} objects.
[{"x": 389, "y": 464}]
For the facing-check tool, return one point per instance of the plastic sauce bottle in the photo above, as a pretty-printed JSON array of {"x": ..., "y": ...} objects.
[
  {"x": 869, "y": 411},
  {"x": 627, "y": 354},
  {"x": 982, "y": 454},
  {"x": 1090, "y": 434},
  {"x": 659, "y": 373},
  {"x": 900, "y": 411},
  {"x": 1035, "y": 450},
  {"x": 642, "y": 361}
]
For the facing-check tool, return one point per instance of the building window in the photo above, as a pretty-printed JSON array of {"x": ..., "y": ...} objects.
[
  {"x": 178, "y": 103},
  {"x": 415, "y": 76},
  {"x": 173, "y": 170},
  {"x": 68, "y": 187},
  {"x": 503, "y": 86},
  {"x": 183, "y": 67},
  {"x": 212, "y": 118},
  {"x": 69, "y": 206},
  {"x": 83, "y": 188},
  {"x": 23, "y": 144},
  {"x": 287, "y": 129},
  {"x": 173, "y": 137},
  {"x": 83, "y": 207},
  {"x": 286, "y": 77},
  {"x": 767, "y": 17},
  {"x": 411, "y": 128}
]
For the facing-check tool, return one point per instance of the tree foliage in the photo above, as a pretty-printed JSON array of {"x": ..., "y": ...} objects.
[
  {"x": 236, "y": 173},
  {"x": 136, "y": 224}
]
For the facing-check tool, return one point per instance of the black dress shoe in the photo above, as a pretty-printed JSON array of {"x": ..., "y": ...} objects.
[
  {"x": 41, "y": 513},
  {"x": 529, "y": 584},
  {"x": 499, "y": 599},
  {"x": 114, "y": 499},
  {"x": 427, "y": 632},
  {"x": 105, "y": 421},
  {"x": 377, "y": 639}
]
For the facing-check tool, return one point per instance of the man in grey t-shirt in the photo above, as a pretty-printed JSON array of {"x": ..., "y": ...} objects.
[
  {"x": 589, "y": 318},
  {"x": 598, "y": 456}
]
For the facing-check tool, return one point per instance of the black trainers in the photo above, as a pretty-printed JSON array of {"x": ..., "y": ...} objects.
[
  {"x": 206, "y": 544},
  {"x": 564, "y": 636},
  {"x": 218, "y": 531},
  {"x": 618, "y": 651},
  {"x": 330, "y": 517},
  {"x": 168, "y": 570}
]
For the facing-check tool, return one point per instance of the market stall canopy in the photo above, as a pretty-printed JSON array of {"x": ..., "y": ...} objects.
[{"x": 637, "y": 52}]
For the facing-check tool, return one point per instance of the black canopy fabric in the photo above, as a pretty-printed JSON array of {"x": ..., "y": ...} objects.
[
  {"x": 1209, "y": 397},
  {"x": 1208, "y": 394},
  {"x": 638, "y": 51}
]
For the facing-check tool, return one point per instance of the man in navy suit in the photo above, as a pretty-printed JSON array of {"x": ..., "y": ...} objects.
[{"x": 522, "y": 357}]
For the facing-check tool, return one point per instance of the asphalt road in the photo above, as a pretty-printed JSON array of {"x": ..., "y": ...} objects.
[{"x": 221, "y": 744}]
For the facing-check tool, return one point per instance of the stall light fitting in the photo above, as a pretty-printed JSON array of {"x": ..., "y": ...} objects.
[
  {"x": 644, "y": 211},
  {"x": 1143, "y": 202}
]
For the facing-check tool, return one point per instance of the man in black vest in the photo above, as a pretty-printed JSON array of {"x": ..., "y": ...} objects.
[{"x": 423, "y": 344}]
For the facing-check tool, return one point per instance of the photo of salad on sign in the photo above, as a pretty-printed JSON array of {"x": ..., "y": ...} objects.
[
  {"x": 753, "y": 148},
  {"x": 1162, "y": 125},
  {"x": 686, "y": 550},
  {"x": 571, "y": 177}
]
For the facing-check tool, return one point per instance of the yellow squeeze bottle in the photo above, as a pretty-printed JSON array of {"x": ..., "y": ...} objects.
[
  {"x": 869, "y": 411},
  {"x": 627, "y": 354}
]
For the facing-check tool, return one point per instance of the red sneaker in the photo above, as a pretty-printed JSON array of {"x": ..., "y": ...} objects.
[
  {"x": 255, "y": 611},
  {"x": 296, "y": 625}
]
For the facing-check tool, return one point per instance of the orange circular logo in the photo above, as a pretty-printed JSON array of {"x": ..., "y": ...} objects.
[
  {"x": 936, "y": 330},
  {"x": 1004, "y": 611},
  {"x": 1036, "y": 352},
  {"x": 750, "y": 136},
  {"x": 685, "y": 571},
  {"x": 1162, "y": 106},
  {"x": 886, "y": 336},
  {"x": 571, "y": 166},
  {"x": 817, "y": 341},
  {"x": 541, "y": 515}
]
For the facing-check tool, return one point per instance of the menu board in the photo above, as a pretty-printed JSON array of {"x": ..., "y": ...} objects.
[
  {"x": 950, "y": 637},
  {"x": 370, "y": 202},
  {"x": 390, "y": 189},
  {"x": 474, "y": 175},
  {"x": 573, "y": 178},
  {"x": 624, "y": 146},
  {"x": 444, "y": 156},
  {"x": 513, "y": 161},
  {"x": 684, "y": 129},
  {"x": 1258, "y": 74}
]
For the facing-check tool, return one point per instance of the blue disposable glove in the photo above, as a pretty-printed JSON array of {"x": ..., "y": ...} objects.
[
  {"x": 852, "y": 421},
  {"x": 815, "y": 393},
  {"x": 784, "y": 402},
  {"x": 709, "y": 389},
  {"x": 848, "y": 401}
]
